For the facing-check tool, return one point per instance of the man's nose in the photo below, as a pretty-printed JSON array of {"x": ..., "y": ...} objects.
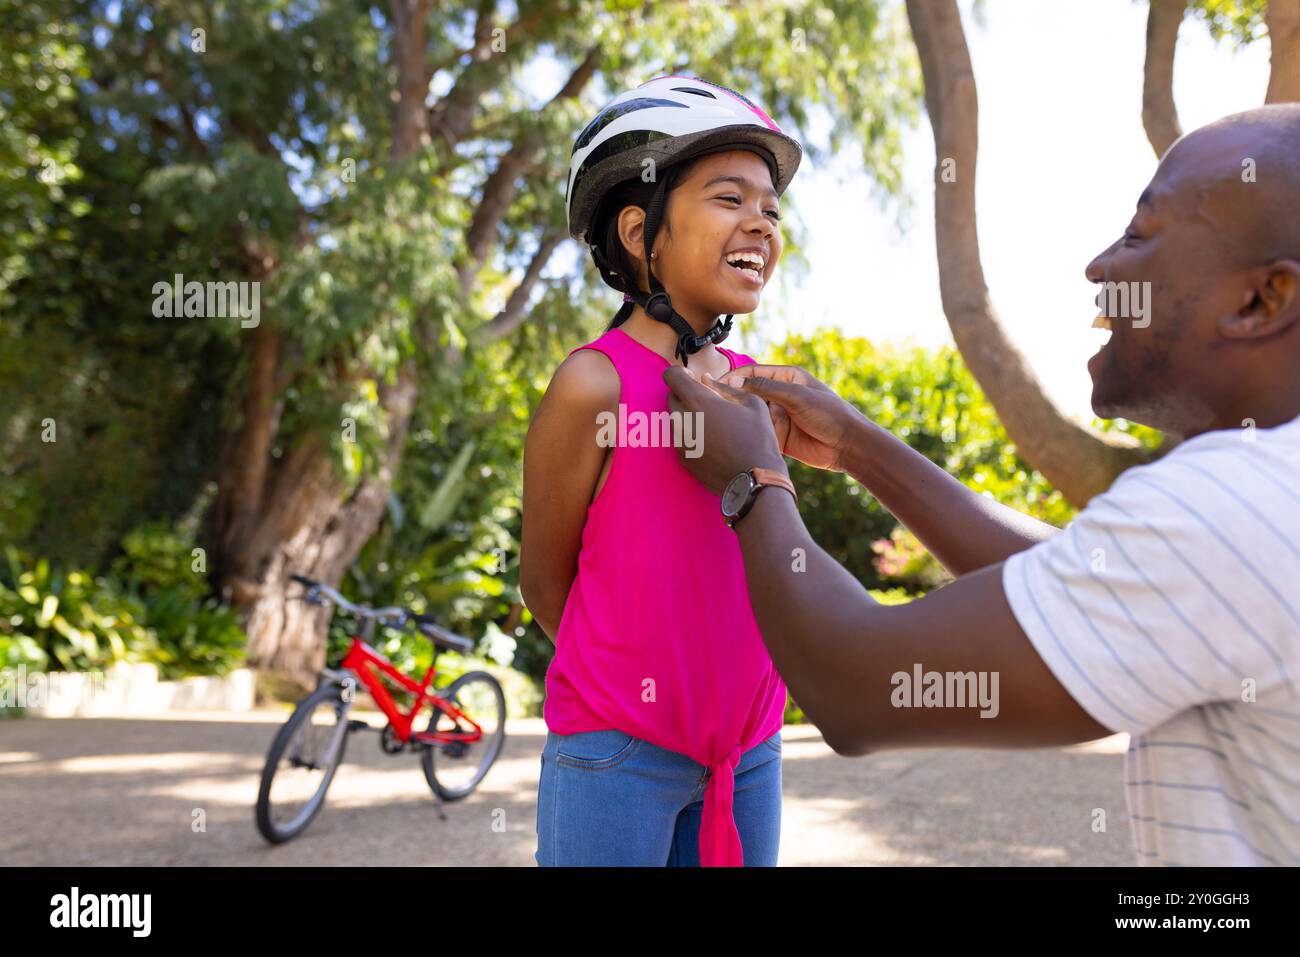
[{"x": 1096, "y": 270}]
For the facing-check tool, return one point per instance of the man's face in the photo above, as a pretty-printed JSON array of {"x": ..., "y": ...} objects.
[{"x": 1162, "y": 285}]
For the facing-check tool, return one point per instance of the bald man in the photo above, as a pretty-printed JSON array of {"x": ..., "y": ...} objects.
[{"x": 1170, "y": 606}]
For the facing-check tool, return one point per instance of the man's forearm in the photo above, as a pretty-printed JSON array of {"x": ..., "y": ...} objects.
[
  {"x": 966, "y": 531},
  {"x": 814, "y": 617}
]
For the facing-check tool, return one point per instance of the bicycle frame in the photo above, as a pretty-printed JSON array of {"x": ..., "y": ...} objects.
[{"x": 361, "y": 659}]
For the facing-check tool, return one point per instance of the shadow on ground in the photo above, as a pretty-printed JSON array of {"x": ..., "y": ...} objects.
[{"x": 130, "y": 791}]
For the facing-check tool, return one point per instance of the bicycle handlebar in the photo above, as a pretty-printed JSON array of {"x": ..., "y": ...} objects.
[{"x": 392, "y": 615}]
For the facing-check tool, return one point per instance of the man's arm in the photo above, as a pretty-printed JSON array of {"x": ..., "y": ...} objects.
[
  {"x": 838, "y": 650},
  {"x": 964, "y": 530}
]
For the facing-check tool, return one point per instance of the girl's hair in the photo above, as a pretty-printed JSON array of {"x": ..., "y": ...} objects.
[{"x": 604, "y": 229}]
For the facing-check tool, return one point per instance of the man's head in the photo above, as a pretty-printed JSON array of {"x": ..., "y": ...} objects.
[{"x": 1217, "y": 237}]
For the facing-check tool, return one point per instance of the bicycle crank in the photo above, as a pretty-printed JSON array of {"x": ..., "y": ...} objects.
[{"x": 390, "y": 742}]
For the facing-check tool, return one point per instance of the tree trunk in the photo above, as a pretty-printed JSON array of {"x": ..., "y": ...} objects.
[
  {"x": 1159, "y": 114},
  {"x": 309, "y": 525},
  {"x": 1283, "y": 19},
  {"x": 294, "y": 515},
  {"x": 1076, "y": 459}
]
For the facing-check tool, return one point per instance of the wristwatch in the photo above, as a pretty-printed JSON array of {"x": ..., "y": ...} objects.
[{"x": 738, "y": 497}]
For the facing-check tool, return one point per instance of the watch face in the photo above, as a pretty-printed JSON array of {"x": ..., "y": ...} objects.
[{"x": 734, "y": 495}]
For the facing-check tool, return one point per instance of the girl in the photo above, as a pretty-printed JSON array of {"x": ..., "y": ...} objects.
[{"x": 663, "y": 708}]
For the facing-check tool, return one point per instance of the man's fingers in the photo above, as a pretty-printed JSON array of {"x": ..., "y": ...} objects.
[
  {"x": 772, "y": 390},
  {"x": 722, "y": 388},
  {"x": 779, "y": 373},
  {"x": 684, "y": 384}
]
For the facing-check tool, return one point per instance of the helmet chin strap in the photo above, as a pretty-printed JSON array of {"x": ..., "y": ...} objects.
[{"x": 660, "y": 307}]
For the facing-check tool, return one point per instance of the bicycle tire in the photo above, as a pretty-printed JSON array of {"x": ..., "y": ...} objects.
[
  {"x": 266, "y": 826},
  {"x": 428, "y": 759}
]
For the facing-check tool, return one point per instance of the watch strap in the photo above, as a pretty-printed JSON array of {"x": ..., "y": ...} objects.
[{"x": 764, "y": 477}]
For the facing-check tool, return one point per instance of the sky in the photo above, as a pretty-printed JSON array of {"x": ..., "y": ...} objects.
[{"x": 1062, "y": 160}]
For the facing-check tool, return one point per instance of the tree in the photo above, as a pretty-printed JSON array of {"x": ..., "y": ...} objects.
[
  {"x": 1242, "y": 21},
  {"x": 394, "y": 186},
  {"x": 1078, "y": 460},
  {"x": 1159, "y": 114}
]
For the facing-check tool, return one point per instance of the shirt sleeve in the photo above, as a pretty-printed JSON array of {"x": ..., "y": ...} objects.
[{"x": 1175, "y": 588}]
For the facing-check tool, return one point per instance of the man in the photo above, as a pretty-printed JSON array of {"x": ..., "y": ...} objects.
[{"x": 1168, "y": 609}]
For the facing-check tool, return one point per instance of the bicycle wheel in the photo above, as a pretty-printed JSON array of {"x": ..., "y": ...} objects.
[
  {"x": 302, "y": 762},
  {"x": 455, "y": 769}
]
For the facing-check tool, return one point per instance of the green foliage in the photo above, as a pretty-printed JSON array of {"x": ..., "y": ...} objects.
[
  {"x": 1150, "y": 439},
  {"x": 130, "y": 157},
  {"x": 159, "y": 557},
  {"x": 67, "y": 621},
  {"x": 449, "y": 544},
  {"x": 1239, "y": 21},
  {"x": 200, "y": 637},
  {"x": 153, "y": 607},
  {"x": 194, "y": 633},
  {"x": 40, "y": 59},
  {"x": 901, "y": 558}
]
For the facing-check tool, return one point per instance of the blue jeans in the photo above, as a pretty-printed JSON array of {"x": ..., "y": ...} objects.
[{"x": 607, "y": 799}]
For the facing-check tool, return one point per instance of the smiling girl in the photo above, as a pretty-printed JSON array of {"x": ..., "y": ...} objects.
[{"x": 663, "y": 708}]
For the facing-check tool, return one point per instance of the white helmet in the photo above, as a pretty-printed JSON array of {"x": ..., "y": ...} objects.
[{"x": 668, "y": 119}]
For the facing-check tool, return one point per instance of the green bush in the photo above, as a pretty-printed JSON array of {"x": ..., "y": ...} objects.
[
  {"x": 194, "y": 633},
  {"x": 152, "y": 607},
  {"x": 67, "y": 621},
  {"x": 194, "y": 637},
  {"x": 159, "y": 557}
]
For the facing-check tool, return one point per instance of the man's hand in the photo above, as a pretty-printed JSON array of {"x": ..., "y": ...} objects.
[
  {"x": 736, "y": 433},
  {"x": 811, "y": 421}
]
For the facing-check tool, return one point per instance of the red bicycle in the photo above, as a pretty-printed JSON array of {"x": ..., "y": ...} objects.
[{"x": 309, "y": 748}]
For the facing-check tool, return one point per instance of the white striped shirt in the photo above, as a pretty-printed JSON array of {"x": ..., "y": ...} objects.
[{"x": 1170, "y": 609}]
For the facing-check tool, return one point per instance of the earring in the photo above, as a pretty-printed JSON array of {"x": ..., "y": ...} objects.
[{"x": 654, "y": 255}]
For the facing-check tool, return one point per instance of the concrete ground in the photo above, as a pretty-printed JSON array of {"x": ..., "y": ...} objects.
[{"x": 118, "y": 791}]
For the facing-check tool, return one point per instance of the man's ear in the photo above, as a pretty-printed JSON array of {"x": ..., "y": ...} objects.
[{"x": 1270, "y": 306}]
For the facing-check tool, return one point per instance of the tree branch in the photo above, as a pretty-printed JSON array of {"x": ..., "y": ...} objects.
[
  {"x": 410, "y": 122},
  {"x": 503, "y": 184},
  {"x": 1076, "y": 459},
  {"x": 1159, "y": 113},
  {"x": 1283, "y": 19},
  {"x": 512, "y": 316}
]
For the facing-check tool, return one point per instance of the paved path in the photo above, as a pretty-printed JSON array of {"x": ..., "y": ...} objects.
[{"x": 124, "y": 791}]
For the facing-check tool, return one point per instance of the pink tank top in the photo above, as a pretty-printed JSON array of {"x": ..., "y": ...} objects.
[{"x": 658, "y": 639}]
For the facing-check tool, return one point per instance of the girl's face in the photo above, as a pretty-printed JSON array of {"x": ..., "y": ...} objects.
[{"x": 725, "y": 206}]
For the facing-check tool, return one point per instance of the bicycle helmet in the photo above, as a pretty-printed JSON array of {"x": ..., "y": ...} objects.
[{"x": 669, "y": 119}]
